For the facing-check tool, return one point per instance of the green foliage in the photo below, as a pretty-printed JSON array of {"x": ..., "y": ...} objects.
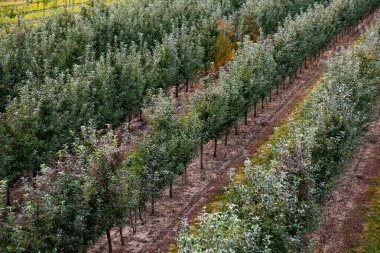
[
  {"x": 110, "y": 82},
  {"x": 211, "y": 108},
  {"x": 96, "y": 182},
  {"x": 155, "y": 152},
  {"x": 73, "y": 202},
  {"x": 275, "y": 206},
  {"x": 73, "y": 69},
  {"x": 258, "y": 18},
  {"x": 39, "y": 52}
]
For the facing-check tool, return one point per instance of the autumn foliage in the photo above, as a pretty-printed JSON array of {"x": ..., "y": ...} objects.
[{"x": 224, "y": 44}]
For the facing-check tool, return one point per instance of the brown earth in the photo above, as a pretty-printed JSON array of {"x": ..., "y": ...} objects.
[
  {"x": 201, "y": 187},
  {"x": 346, "y": 209}
]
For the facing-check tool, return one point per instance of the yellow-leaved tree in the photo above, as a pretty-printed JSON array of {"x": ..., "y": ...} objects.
[{"x": 224, "y": 45}]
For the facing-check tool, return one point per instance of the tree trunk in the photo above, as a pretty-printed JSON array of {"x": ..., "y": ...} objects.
[
  {"x": 135, "y": 221},
  {"x": 152, "y": 203},
  {"x": 109, "y": 241},
  {"x": 171, "y": 189},
  {"x": 177, "y": 87},
  {"x": 34, "y": 177},
  {"x": 215, "y": 146},
  {"x": 201, "y": 157},
  {"x": 236, "y": 130},
  {"x": 270, "y": 96},
  {"x": 226, "y": 139},
  {"x": 262, "y": 103},
  {"x": 8, "y": 204},
  {"x": 140, "y": 115},
  {"x": 185, "y": 175},
  {"x": 133, "y": 225},
  {"x": 187, "y": 85},
  {"x": 255, "y": 110},
  {"x": 246, "y": 118},
  {"x": 121, "y": 235},
  {"x": 142, "y": 220},
  {"x": 129, "y": 120},
  {"x": 176, "y": 91},
  {"x": 38, "y": 212},
  {"x": 277, "y": 90}
]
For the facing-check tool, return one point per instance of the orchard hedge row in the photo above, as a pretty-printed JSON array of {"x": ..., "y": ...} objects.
[
  {"x": 275, "y": 206},
  {"x": 94, "y": 188},
  {"x": 119, "y": 58}
]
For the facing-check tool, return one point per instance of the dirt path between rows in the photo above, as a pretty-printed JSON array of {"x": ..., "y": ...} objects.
[
  {"x": 344, "y": 212},
  {"x": 191, "y": 196}
]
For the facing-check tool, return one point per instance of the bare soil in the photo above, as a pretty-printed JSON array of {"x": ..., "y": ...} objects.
[{"x": 201, "y": 187}]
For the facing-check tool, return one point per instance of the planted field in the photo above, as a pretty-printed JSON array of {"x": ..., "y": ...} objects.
[
  {"x": 275, "y": 202},
  {"x": 119, "y": 123},
  {"x": 13, "y": 11}
]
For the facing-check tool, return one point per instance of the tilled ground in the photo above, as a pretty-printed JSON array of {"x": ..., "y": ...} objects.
[
  {"x": 201, "y": 187},
  {"x": 344, "y": 212}
]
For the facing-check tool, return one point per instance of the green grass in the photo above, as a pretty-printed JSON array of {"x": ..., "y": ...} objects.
[
  {"x": 370, "y": 241},
  {"x": 11, "y": 12}
]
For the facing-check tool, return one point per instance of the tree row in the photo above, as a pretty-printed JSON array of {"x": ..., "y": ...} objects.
[
  {"x": 279, "y": 200},
  {"x": 97, "y": 186},
  {"x": 114, "y": 76}
]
